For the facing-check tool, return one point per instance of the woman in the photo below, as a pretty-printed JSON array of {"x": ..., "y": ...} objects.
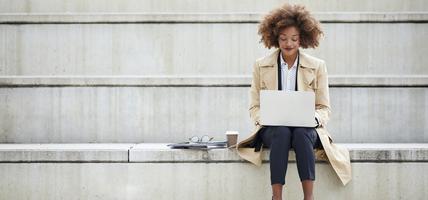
[{"x": 288, "y": 28}]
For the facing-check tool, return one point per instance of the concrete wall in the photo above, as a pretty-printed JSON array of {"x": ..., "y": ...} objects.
[
  {"x": 34, "y": 6},
  {"x": 65, "y": 39},
  {"x": 200, "y": 49},
  {"x": 153, "y": 171},
  {"x": 172, "y": 114},
  {"x": 196, "y": 181}
]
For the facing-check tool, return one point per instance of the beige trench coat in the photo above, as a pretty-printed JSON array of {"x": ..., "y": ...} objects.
[{"x": 312, "y": 76}]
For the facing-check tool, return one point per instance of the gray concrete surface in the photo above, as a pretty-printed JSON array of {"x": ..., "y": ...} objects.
[
  {"x": 172, "y": 114},
  {"x": 328, "y": 17},
  {"x": 161, "y": 153},
  {"x": 195, "y": 181},
  {"x": 228, "y": 49},
  {"x": 188, "y": 174},
  {"x": 201, "y": 81},
  {"x": 99, "y": 152},
  {"x": 359, "y": 152},
  {"x": 36, "y": 6}
]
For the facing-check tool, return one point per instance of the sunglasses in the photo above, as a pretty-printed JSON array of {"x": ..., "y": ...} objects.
[{"x": 203, "y": 139}]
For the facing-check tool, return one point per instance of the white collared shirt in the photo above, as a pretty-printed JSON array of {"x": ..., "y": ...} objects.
[{"x": 288, "y": 76}]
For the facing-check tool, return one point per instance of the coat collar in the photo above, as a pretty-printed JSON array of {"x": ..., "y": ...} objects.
[
  {"x": 305, "y": 70},
  {"x": 271, "y": 60}
]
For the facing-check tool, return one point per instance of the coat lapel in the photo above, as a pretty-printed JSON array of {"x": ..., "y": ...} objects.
[
  {"x": 306, "y": 73},
  {"x": 269, "y": 72}
]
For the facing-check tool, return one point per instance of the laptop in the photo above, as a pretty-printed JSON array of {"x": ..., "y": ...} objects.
[{"x": 291, "y": 108}]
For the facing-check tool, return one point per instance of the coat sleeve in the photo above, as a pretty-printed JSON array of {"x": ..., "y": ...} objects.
[
  {"x": 254, "y": 106},
  {"x": 322, "y": 98}
]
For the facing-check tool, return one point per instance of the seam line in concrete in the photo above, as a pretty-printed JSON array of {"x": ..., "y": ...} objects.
[
  {"x": 211, "y": 162},
  {"x": 203, "y": 85},
  {"x": 172, "y": 18},
  {"x": 198, "y": 81}
]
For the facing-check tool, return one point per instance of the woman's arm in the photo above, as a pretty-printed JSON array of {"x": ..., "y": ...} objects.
[{"x": 322, "y": 98}]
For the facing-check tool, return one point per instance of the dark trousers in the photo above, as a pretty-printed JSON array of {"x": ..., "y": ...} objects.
[{"x": 280, "y": 139}]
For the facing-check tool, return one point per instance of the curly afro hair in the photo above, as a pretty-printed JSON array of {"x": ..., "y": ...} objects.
[{"x": 288, "y": 16}]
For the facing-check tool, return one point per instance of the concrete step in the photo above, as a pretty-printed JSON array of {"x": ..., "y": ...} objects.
[
  {"x": 359, "y": 152},
  {"x": 95, "y": 152},
  {"x": 201, "y": 81},
  {"x": 241, "y": 17},
  {"x": 160, "y": 152},
  {"x": 61, "y": 6},
  {"x": 383, "y": 171},
  {"x": 171, "y": 49},
  {"x": 156, "y": 113}
]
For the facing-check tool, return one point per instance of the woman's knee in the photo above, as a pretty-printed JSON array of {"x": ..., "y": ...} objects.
[
  {"x": 276, "y": 134},
  {"x": 304, "y": 135},
  {"x": 282, "y": 129},
  {"x": 281, "y": 132}
]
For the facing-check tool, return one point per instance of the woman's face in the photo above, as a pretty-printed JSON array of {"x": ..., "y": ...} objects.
[{"x": 289, "y": 41}]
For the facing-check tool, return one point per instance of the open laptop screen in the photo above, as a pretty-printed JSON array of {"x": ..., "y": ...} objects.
[{"x": 291, "y": 108}]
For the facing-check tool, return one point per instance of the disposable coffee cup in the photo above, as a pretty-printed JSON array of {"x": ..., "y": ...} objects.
[{"x": 232, "y": 138}]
